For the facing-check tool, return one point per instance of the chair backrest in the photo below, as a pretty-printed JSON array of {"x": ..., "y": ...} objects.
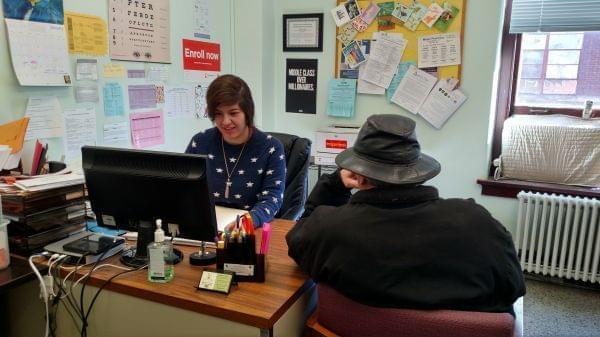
[
  {"x": 297, "y": 156},
  {"x": 347, "y": 318}
]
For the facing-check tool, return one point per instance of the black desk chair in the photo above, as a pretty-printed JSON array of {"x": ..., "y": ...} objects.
[{"x": 297, "y": 156}]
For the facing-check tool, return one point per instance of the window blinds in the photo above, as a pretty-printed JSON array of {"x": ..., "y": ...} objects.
[{"x": 554, "y": 16}]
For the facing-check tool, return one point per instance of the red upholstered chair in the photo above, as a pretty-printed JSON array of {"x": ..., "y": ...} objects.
[{"x": 336, "y": 315}]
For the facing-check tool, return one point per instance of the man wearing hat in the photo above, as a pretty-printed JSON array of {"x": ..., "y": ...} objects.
[{"x": 395, "y": 242}]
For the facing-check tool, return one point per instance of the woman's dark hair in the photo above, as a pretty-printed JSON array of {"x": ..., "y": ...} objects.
[{"x": 230, "y": 90}]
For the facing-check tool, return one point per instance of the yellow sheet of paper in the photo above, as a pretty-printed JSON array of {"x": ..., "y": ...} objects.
[
  {"x": 114, "y": 70},
  {"x": 13, "y": 134},
  {"x": 87, "y": 34}
]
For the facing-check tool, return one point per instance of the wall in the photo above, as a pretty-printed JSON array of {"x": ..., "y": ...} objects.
[
  {"x": 461, "y": 146},
  {"x": 250, "y": 33},
  {"x": 13, "y": 97}
]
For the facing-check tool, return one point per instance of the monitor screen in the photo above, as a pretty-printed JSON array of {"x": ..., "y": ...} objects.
[{"x": 130, "y": 189}]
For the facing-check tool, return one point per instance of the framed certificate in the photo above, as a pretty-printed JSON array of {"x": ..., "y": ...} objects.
[{"x": 303, "y": 32}]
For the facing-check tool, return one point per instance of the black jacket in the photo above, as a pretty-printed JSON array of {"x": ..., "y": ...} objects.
[{"x": 405, "y": 247}]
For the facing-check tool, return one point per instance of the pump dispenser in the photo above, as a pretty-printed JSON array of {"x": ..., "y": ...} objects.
[{"x": 160, "y": 266}]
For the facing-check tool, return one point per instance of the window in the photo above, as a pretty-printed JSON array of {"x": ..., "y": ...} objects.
[
  {"x": 557, "y": 71},
  {"x": 550, "y": 63}
]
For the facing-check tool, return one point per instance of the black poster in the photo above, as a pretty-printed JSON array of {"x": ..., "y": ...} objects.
[{"x": 301, "y": 86}]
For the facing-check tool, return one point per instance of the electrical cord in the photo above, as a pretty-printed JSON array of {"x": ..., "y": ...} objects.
[
  {"x": 43, "y": 289},
  {"x": 69, "y": 294},
  {"x": 84, "y": 284},
  {"x": 58, "y": 260},
  {"x": 104, "y": 285},
  {"x": 66, "y": 300},
  {"x": 99, "y": 267},
  {"x": 65, "y": 295}
]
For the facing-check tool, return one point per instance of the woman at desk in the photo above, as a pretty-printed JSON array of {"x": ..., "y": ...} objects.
[{"x": 245, "y": 166}]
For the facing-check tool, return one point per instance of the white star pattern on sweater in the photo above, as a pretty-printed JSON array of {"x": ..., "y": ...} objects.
[{"x": 247, "y": 187}]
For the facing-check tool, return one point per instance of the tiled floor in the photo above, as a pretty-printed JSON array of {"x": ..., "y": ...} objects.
[{"x": 556, "y": 310}]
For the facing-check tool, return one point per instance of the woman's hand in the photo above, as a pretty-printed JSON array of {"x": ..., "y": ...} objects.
[{"x": 230, "y": 226}]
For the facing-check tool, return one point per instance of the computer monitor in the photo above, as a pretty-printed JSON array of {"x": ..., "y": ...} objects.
[{"x": 130, "y": 189}]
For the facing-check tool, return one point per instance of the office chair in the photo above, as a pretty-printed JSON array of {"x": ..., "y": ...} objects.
[
  {"x": 297, "y": 156},
  {"x": 337, "y": 315}
]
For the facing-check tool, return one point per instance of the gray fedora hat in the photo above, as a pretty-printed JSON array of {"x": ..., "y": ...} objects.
[{"x": 387, "y": 150}]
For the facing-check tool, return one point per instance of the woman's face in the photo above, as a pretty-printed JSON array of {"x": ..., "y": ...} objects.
[{"x": 231, "y": 122}]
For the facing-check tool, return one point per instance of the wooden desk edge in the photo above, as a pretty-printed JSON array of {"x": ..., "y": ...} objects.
[{"x": 263, "y": 322}]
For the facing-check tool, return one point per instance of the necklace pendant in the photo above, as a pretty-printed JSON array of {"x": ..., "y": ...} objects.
[{"x": 227, "y": 184}]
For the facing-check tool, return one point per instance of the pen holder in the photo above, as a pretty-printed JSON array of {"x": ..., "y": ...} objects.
[{"x": 241, "y": 259}]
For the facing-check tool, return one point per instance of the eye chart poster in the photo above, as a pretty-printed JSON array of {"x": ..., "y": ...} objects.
[{"x": 139, "y": 30}]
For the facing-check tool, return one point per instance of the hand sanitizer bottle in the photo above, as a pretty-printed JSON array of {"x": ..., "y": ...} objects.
[{"x": 160, "y": 267}]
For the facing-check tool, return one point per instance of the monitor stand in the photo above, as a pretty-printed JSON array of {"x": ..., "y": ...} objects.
[{"x": 138, "y": 256}]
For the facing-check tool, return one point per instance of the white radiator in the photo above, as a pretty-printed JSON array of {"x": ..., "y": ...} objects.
[{"x": 559, "y": 236}]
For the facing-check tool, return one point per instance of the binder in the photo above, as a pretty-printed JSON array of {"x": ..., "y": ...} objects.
[{"x": 37, "y": 154}]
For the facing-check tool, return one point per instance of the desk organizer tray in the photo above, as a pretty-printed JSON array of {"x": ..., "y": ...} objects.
[{"x": 241, "y": 258}]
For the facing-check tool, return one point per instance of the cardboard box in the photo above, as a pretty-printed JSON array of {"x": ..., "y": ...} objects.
[{"x": 335, "y": 139}]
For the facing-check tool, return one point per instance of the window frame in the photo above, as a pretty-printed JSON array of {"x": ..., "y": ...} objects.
[{"x": 510, "y": 54}]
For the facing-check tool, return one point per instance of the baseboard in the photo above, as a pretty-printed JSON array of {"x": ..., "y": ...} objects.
[{"x": 562, "y": 281}]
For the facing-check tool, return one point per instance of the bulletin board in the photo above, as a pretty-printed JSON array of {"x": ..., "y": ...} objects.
[{"x": 411, "y": 51}]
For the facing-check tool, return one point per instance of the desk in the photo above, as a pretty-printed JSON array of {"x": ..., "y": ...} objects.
[
  {"x": 17, "y": 273},
  {"x": 132, "y": 306}
]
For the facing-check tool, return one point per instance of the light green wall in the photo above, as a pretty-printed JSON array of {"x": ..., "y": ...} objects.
[
  {"x": 461, "y": 145},
  {"x": 250, "y": 33},
  {"x": 178, "y": 131}
]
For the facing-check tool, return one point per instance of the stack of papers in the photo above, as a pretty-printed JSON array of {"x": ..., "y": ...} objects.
[{"x": 50, "y": 181}]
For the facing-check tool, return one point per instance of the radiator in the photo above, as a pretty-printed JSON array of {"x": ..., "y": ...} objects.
[{"x": 559, "y": 236}]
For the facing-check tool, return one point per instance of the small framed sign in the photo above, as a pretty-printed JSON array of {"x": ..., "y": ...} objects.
[
  {"x": 303, "y": 32},
  {"x": 219, "y": 281}
]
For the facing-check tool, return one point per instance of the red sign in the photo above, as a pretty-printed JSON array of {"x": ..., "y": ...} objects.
[
  {"x": 336, "y": 144},
  {"x": 200, "y": 55}
]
